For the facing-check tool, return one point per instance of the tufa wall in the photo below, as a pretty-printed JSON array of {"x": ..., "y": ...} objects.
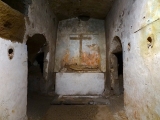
[
  {"x": 41, "y": 20},
  {"x": 136, "y": 23},
  {"x": 12, "y": 24}
]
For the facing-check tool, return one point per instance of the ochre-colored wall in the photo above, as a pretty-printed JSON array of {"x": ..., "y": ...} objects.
[{"x": 12, "y": 23}]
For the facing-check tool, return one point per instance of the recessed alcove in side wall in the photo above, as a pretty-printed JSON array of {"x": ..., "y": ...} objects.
[
  {"x": 116, "y": 66},
  {"x": 34, "y": 44},
  {"x": 35, "y": 47}
]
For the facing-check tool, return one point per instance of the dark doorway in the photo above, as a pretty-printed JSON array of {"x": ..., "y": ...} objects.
[
  {"x": 120, "y": 62},
  {"x": 116, "y": 66},
  {"x": 119, "y": 56},
  {"x": 35, "y": 45},
  {"x": 40, "y": 60}
]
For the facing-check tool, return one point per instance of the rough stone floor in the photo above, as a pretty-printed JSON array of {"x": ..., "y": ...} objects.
[{"x": 39, "y": 108}]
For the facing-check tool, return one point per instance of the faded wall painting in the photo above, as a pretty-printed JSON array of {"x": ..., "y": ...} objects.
[{"x": 80, "y": 46}]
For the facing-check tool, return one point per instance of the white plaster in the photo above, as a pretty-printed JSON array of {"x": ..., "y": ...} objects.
[
  {"x": 79, "y": 83},
  {"x": 13, "y": 79},
  {"x": 141, "y": 65}
]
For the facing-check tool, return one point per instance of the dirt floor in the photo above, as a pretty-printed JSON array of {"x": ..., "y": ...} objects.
[
  {"x": 78, "y": 112},
  {"x": 39, "y": 108}
]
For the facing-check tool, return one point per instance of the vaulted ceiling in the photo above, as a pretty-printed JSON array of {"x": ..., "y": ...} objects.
[
  {"x": 72, "y": 8},
  {"x": 19, "y": 5}
]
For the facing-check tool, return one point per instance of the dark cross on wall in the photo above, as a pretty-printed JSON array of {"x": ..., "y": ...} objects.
[{"x": 81, "y": 37}]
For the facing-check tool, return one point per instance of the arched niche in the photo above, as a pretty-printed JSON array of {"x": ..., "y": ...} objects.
[
  {"x": 116, "y": 66},
  {"x": 36, "y": 47},
  {"x": 116, "y": 45}
]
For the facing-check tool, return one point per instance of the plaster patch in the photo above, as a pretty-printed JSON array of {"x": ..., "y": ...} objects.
[{"x": 79, "y": 83}]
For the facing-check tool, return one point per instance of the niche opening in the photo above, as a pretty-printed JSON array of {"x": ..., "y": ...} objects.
[
  {"x": 116, "y": 66},
  {"x": 10, "y": 53},
  {"x": 149, "y": 42}
]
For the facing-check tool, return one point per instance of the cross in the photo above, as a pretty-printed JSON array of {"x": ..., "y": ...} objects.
[{"x": 80, "y": 38}]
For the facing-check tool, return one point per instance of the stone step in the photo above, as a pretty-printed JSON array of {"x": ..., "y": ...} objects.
[{"x": 80, "y": 100}]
